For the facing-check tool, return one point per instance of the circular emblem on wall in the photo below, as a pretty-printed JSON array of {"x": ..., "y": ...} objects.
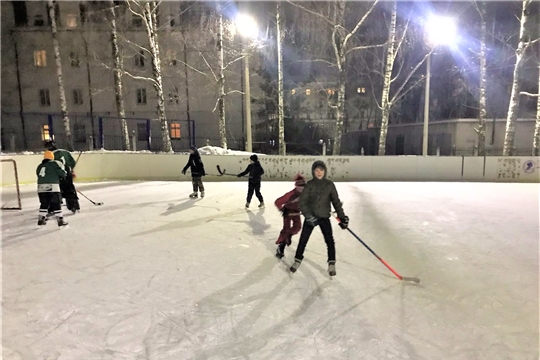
[{"x": 529, "y": 166}]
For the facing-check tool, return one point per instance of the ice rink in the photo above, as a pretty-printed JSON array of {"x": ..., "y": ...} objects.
[{"x": 152, "y": 274}]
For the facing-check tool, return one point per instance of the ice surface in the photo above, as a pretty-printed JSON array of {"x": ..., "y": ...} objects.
[{"x": 154, "y": 275}]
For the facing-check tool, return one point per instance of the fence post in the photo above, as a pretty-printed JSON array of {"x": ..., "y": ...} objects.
[
  {"x": 51, "y": 126},
  {"x": 149, "y": 134},
  {"x": 438, "y": 151},
  {"x": 362, "y": 151},
  {"x": 323, "y": 149},
  {"x": 12, "y": 142},
  {"x": 133, "y": 141},
  {"x": 90, "y": 143},
  {"x": 475, "y": 151},
  {"x": 101, "y": 134}
]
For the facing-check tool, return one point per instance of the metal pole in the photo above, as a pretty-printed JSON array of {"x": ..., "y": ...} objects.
[
  {"x": 426, "y": 108},
  {"x": 247, "y": 102}
]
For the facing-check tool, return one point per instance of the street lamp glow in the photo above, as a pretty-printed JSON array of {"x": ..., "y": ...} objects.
[
  {"x": 246, "y": 26},
  {"x": 441, "y": 30}
]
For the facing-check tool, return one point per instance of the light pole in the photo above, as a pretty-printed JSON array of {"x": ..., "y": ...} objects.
[
  {"x": 440, "y": 30},
  {"x": 247, "y": 27}
]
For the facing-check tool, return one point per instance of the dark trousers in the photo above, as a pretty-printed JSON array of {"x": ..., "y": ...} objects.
[
  {"x": 197, "y": 183},
  {"x": 69, "y": 192},
  {"x": 307, "y": 229},
  {"x": 291, "y": 226},
  {"x": 254, "y": 186},
  {"x": 50, "y": 202}
]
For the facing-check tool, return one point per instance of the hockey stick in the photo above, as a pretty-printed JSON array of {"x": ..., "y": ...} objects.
[
  {"x": 406, "y": 278},
  {"x": 221, "y": 173},
  {"x": 87, "y": 198}
]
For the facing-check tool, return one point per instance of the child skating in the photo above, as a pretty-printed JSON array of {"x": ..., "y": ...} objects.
[
  {"x": 319, "y": 193},
  {"x": 289, "y": 206},
  {"x": 49, "y": 174},
  {"x": 197, "y": 172},
  {"x": 255, "y": 172}
]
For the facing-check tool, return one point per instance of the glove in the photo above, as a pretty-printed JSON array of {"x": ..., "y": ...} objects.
[
  {"x": 238, "y": 175},
  {"x": 284, "y": 212},
  {"x": 184, "y": 172},
  {"x": 73, "y": 174},
  {"x": 344, "y": 222},
  {"x": 312, "y": 221}
]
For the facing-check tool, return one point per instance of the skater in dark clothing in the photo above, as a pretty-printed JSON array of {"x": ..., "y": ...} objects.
[
  {"x": 197, "y": 172},
  {"x": 255, "y": 171},
  {"x": 315, "y": 202},
  {"x": 49, "y": 174},
  {"x": 289, "y": 206},
  {"x": 67, "y": 187}
]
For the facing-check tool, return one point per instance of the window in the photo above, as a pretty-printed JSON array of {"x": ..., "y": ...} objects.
[
  {"x": 361, "y": 90},
  {"x": 71, "y": 21},
  {"x": 38, "y": 20},
  {"x": 74, "y": 59},
  {"x": 141, "y": 96},
  {"x": 308, "y": 92},
  {"x": 331, "y": 91},
  {"x": 79, "y": 132},
  {"x": 173, "y": 96},
  {"x": 40, "y": 58},
  {"x": 19, "y": 12},
  {"x": 293, "y": 91},
  {"x": 77, "y": 97},
  {"x": 83, "y": 13},
  {"x": 175, "y": 130},
  {"x": 172, "y": 21},
  {"x": 44, "y": 97},
  {"x": 141, "y": 132},
  {"x": 139, "y": 59},
  {"x": 172, "y": 62},
  {"x": 45, "y": 133},
  {"x": 136, "y": 21}
]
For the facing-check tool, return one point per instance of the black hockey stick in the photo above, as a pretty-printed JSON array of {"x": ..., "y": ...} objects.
[
  {"x": 221, "y": 173},
  {"x": 87, "y": 198},
  {"x": 406, "y": 278}
]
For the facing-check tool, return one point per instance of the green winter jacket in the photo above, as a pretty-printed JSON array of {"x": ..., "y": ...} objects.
[
  {"x": 49, "y": 173},
  {"x": 65, "y": 157},
  {"x": 318, "y": 194}
]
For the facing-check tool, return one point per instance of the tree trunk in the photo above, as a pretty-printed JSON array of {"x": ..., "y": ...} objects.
[
  {"x": 482, "y": 113},
  {"x": 150, "y": 14},
  {"x": 63, "y": 102},
  {"x": 281, "y": 121},
  {"x": 387, "y": 82},
  {"x": 340, "y": 108},
  {"x": 513, "y": 107},
  {"x": 118, "y": 69},
  {"x": 221, "y": 84},
  {"x": 536, "y": 139}
]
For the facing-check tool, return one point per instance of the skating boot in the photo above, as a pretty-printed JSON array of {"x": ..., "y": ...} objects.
[
  {"x": 280, "y": 251},
  {"x": 261, "y": 205},
  {"x": 247, "y": 205},
  {"x": 193, "y": 195},
  {"x": 61, "y": 222},
  {"x": 42, "y": 220},
  {"x": 296, "y": 265},
  {"x": 202, "y": 194},
  {"x": 332, "y": 268},
  {"x": 289, "y": 240}
]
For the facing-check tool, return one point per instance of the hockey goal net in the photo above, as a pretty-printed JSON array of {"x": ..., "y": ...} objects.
[{"x": 11, "y": 192}]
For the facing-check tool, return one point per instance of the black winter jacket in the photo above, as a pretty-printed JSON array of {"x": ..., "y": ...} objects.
[
  {"x": 255, "y": 171},
  {"x": 196, "y": 165}
]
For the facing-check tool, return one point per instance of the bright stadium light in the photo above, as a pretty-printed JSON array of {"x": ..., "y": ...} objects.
[
  {"x": 441, "y": 30},
  {"x": 246, "y": 26}
]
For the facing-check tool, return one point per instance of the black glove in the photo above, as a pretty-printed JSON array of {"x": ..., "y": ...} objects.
[
  {"x": 284, "y": 211},
  {"x": 344, "y": 222},
  {"x": 312, "y": 221},
  {"x": 184, "y": 172},
  {"x": 238, "y": 175}
]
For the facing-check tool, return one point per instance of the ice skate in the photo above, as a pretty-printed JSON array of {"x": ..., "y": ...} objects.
[
  {"x": 280, "y": 251},
  {"x": 193, "y": 195},
  {"x": 296, "y": 265},
  {"x": 42, "y": 220},
  {"x": 61, "y": 222},
  {"x": 247, "y": 205},
  {"x": 332, "y": 268},
  {"x": 289, "y": 240},
  {"x": 261, "y": 205},
  {"x": 202, "y": 194}
]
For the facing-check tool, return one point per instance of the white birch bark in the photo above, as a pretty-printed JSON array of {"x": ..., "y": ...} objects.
[
  {"x": 387, "y": 82},
  {"x": 482, "y": 113},
  {"x": 58, "y": 60},
  {"x": 150, "y": 16},
  {"x": 118, "y": 70},
  {"x": 281, "y": 122},
  {"x": 221, "y": 83},
  {"x": 536, "y": 138},
  {"x": 513, "y": 107}
]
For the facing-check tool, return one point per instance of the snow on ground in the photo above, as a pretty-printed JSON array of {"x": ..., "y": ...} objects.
[
  {"x": 205, "y": 150},
  {"x": 154, "y": 275}
]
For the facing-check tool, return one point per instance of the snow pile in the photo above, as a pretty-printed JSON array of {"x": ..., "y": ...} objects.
[{"x": 214, "y": 150}]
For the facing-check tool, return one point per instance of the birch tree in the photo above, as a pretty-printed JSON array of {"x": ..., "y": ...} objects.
[
  {"x": 482, "y": 107},
  {"x": 118, "y": 71},
  {"x": 513, "y": 107},
  {"x": 279, "y": 38},
  {"x": 221, "y": 81},
  {"x": 61, "y": 90}
]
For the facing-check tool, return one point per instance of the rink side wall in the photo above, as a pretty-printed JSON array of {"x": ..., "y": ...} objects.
[{"x": 99, "y": 166}]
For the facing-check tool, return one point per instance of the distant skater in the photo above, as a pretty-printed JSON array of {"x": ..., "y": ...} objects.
[
  {"x": 197, "y": 172},
  {"x": 255, "y": 171}
]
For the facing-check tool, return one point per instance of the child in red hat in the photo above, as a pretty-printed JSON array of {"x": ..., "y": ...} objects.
[{"x": 289, "y": 206}]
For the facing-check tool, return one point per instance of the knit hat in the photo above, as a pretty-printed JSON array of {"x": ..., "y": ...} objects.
[
  {"x": 48, "y": 155},
  {"x": 253, "y": 158},
  {"x": 299, "y": 182},
  {"x": 193, "y": 147}
]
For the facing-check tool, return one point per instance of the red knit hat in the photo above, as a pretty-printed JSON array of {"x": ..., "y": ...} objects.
[{"x": 299, "y": 181}]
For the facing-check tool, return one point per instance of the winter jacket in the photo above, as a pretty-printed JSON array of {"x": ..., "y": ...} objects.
[
  {"x": 290, "y": 201},
  {"x": 49, "y": 173},
  {"x": 196, "y": 165},
  {"x": 318, "y": 195},
  {"x": 255, "y": 171}
]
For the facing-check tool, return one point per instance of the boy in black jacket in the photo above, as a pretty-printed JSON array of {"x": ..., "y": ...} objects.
[
  {"x": 315, "y": 202},
  {"x": 197, "y": 171},
  {"x": 255, "y": 171}
]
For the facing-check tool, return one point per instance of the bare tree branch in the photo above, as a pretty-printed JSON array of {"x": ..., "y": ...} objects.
[
  {"x": 323, "y": 17},
  {"x": 344, "y": 43},
  {"x": 136, "y": 77},
  {"x": 364, "y": 47},
  {"x": 529, "y": 94},
  {"x": 410, "y": 75}
]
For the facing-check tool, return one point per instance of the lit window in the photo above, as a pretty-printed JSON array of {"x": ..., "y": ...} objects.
[
  {"x": 77, "y": 97},
  {"x": 175, "y": 130},
  {"x": 40, "y": 58},
  {"x": 44, "y": 97},
  {"x": 293, "y": 91},
  {"x": 308, "y": 92},
  {"x": 71, "y": 21},
  {"x": 141, "y": 96},
  {"x": 45, "y": 134},
  {"x": 361, "y": 90}
]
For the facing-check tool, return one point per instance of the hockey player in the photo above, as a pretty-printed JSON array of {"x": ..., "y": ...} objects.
[
  {"x": 197, "y": 172},
  {"x": 315, "y": 202},
  {"x": 255, "y": 171},
  {"x": 49, "y": 174},
  {"x": 66, "y": 185},
  {"x": 289, "y": 206}
]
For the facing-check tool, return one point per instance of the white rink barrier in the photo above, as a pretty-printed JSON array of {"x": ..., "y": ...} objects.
[{"x": 98, "y": 166}]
